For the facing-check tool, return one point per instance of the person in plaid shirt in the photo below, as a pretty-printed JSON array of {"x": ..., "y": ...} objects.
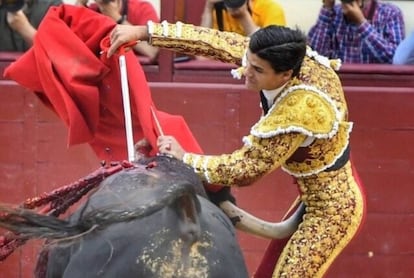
[{"x": 358, "y": 31}]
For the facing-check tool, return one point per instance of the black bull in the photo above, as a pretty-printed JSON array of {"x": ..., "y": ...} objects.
[{"x": 151, "y": 220}]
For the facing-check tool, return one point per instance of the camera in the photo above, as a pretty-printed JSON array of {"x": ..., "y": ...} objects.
[
  {"x": 347, "y": 1},
  {"x": 234, "y": 4},
  {"x": 12, "y": 5}
]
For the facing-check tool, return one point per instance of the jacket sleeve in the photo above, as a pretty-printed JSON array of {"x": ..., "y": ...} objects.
[
  {"x": 200, "y": 41},
  {"x": 256, "y": 158}
]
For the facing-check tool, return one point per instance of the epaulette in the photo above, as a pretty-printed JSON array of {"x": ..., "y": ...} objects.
[{"x": 303, "y": 109}]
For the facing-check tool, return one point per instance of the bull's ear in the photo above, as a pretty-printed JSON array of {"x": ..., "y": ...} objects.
[
  {"x": 188, "y": 210},
  {"x": 253, "y": 225}
]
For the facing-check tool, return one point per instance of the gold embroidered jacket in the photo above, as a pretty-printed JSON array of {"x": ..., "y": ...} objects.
[{"x": 309, "y": 106}]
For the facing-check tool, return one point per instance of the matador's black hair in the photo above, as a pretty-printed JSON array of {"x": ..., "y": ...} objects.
[{"x": 282, "y": 47}]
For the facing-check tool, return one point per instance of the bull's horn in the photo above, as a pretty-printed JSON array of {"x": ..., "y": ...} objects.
[{"x": 251, "y": 224}]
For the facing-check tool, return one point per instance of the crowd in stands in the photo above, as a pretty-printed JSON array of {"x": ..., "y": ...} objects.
[
  {"x": 132, "y": 12},
  {"x": 19, "y": 21},
  {"x": 242, "y": 16},
  {"x": 355, "y": 31},
  {"x": 360, "y": 31}
]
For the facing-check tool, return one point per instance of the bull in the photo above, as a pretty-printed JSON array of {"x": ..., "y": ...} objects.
[{"x": 150, "y": 220}]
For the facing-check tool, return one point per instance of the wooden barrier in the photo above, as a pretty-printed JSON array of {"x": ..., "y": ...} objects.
[
  {"x": 377, "y": 75},
  {"x": 34, "y": 158}
]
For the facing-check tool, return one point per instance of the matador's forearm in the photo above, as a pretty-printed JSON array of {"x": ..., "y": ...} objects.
[
  {"x": 199, "y": 41},
  {"x": 246, "y": 165}
]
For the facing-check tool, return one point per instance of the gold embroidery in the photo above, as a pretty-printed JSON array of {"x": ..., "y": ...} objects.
[
  {"x": 323, "y": 153},
  {"x": 300, "y": 110},
  {"x": 334, "y": 210},
  {"x": 244, "y": 166},
  {"x": 194, "y": 40}
]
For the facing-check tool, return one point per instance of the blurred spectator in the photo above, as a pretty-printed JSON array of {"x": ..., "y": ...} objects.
[
  {"x": 129, "y": 12},
  {"x": 19, "y": 21},
  {"x": 358, "y": 31},
  {"x": 242, "y": 16},
  {"x": 404, "y": 55}
]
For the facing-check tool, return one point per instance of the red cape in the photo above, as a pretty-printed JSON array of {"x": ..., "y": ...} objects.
[{"x": 66, "y": 69}]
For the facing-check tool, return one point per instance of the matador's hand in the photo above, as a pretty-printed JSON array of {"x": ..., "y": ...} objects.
[
  {"x": 123, "y": 34},
  {"x": 169, "y": 145}
]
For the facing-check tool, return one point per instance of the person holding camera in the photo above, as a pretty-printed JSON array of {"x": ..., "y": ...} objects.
[
  {"x": 128, "y": 12},
  {"x": 242, "y": 16},
  {"x": 358, "y": 31},
  {"x": 19, "y": 20}
]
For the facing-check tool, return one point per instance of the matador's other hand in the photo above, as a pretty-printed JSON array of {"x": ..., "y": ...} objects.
[
  {"x": 169, "y": 145},
  {"x": 142, "y": 148}
]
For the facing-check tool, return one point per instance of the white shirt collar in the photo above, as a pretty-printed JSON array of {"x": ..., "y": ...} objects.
[{"x": 270, "y": 95}]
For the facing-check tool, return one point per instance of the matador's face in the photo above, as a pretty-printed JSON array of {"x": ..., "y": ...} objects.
[{"x": 261, "y": 76}]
